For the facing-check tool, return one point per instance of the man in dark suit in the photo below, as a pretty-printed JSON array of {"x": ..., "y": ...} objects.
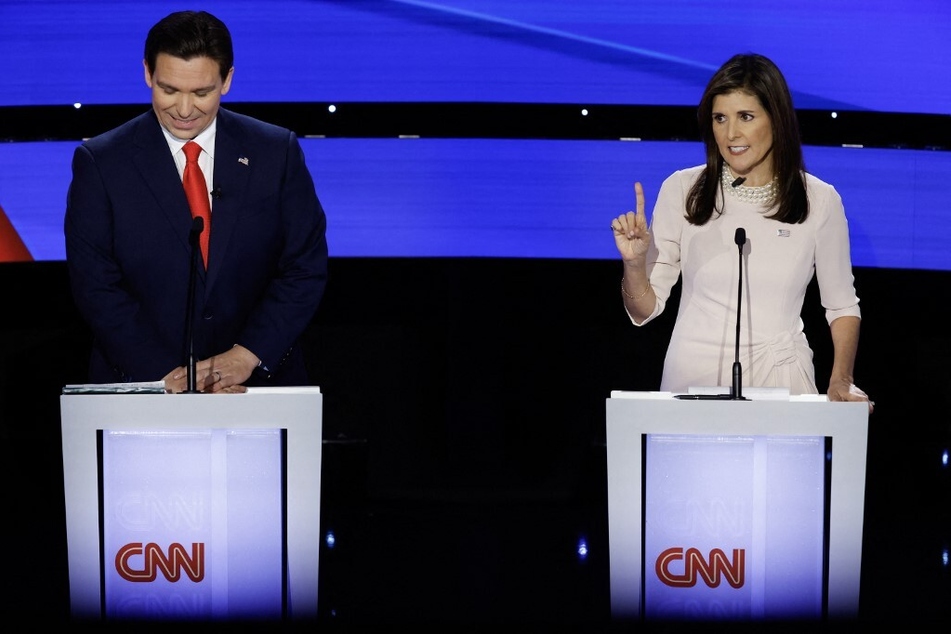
[{"x": 128, "y": 226}]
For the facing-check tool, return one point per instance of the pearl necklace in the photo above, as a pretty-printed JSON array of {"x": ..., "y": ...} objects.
[{"x": 763, "y": 195}]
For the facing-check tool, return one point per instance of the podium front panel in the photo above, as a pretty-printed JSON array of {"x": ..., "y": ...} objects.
[
  {"x": 737, "y": 510},
  {"x": 193, "y": 507}
]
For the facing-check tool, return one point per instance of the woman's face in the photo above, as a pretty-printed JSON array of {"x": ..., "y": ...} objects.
[{"x": 744, "y": 135}]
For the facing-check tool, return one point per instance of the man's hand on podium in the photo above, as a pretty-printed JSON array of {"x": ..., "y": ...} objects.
[{"x": 221, "y": 374}]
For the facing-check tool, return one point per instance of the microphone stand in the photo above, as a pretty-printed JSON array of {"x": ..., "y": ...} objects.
[
  {"x": 197, "y": 226},
  {"x": 736, "y": 392}
]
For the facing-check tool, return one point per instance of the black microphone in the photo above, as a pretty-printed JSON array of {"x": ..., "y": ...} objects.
[
  {"x": 216, "y": 192},
  {"x": 197, "y": 226},
  {"x": 739, "y": 181},
  {"x": 736, "y": 393}
]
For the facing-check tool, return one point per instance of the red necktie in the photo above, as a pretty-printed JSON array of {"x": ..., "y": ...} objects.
[{"x": 197, "y": 193}]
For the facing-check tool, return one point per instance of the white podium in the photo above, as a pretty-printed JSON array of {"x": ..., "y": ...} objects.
[
  {"x": 193, "y": 506},
  {"x": 735, "y": 510}
]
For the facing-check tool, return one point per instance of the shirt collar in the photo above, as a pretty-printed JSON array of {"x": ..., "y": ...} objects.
[{"x": 206, "y": 139}]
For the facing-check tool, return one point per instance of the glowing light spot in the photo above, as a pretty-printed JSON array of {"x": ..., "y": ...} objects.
[{"x": 582, "y": 549}]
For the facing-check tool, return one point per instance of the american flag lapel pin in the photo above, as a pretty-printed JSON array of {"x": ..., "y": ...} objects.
[
  {"x": 244, "y": 161},
  {"x": 782, "y": 233}
]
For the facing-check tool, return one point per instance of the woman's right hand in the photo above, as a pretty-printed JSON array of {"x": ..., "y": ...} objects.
[{"x": 631, "y": 233}]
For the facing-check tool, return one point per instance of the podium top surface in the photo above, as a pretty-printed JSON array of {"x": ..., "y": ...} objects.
[
  {"x": 158, "y": 387},
  {"x": 750, "y": 394}
]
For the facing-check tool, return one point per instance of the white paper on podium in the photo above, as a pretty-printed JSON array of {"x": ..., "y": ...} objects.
[
  {"x": 749, "y": 393},
  {"x": 141, "y": 387}
]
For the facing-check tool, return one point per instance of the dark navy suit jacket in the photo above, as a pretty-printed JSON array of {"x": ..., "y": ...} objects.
[{"x": 127, "y": 228}]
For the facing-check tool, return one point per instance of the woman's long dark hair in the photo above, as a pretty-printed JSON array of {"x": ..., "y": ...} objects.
[{"x": 757, "y": 76}]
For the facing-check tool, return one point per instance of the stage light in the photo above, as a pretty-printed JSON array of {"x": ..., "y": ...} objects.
[{"x": 582, "y": 549}]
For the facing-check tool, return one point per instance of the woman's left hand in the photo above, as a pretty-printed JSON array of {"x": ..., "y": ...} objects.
[{"x": 842, "y": 390}]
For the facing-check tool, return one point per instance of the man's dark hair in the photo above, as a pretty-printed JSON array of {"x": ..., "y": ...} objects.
[{"x": 188, "y": 34}]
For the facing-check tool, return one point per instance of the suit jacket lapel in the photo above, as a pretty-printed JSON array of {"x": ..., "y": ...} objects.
[
  {"x": 232, "y": 173},
  {"x": 153, "y": 160}
]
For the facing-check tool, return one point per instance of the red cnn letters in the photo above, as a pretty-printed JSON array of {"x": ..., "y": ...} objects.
[
  {"x": 694, "y": 564},
  {"x": 155, "y": 560}
]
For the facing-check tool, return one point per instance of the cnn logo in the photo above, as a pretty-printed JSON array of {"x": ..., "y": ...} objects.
[
  {"x": 154, "y": 560},
  {"x": 711, "y": 570}
]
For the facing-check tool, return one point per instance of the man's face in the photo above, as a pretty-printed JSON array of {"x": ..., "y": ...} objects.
[{"x": 186, "y": 94}]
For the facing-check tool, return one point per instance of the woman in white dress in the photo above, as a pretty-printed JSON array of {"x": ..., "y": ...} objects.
[{"x": 795, "y": 228}]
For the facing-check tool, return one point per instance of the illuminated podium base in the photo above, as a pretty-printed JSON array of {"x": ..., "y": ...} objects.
[
  {"x": 735, "y": 510},
  {"x": 193, "y": 506}
]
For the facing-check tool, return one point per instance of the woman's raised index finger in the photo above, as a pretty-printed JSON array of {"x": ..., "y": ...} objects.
[{"x": 639, "y": 197}]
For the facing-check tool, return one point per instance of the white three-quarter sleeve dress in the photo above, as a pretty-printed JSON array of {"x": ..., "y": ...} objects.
[{"x": 779, "y": 261}]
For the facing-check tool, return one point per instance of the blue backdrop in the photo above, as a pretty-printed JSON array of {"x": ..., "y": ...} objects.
[
  {"x": 871, "y": 55},
  {"x": 506, "y": 198}
]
